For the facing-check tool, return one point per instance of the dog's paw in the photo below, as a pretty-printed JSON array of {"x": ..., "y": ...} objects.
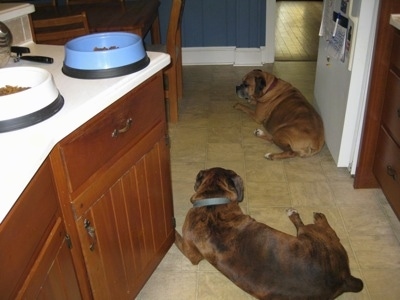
[
  {"x": 268, "y": 156},
  {"x": 236, "y": 105},
  {"x": 290, "y": 211},
  {"x": 318, "y": 216},
  {"x": 258, "y": 132}
]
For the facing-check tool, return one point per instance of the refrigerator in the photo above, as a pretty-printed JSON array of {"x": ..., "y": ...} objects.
[{"x": 346, "y": 43}]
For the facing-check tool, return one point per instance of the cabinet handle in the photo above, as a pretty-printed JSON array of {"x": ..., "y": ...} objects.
[
  {"x": 398, "y": 112},
  {"x": 91, "y": 233},
  {"x": 391, "y": 172},
  {"x": 128, "y": 124}
]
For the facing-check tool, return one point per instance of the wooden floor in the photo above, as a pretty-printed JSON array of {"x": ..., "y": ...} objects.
[{"x": 297, "y": 27}]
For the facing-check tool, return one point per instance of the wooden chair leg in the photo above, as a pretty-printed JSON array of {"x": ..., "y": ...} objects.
[{"x": 179, "y": 77}]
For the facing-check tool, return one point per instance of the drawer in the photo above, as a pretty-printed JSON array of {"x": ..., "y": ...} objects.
[
  {"x": 391, "y": 107},
  {"x": 387, "y": 169},
  {"x": 395, "y": 57},
  {"x": 95, "y": 145}
]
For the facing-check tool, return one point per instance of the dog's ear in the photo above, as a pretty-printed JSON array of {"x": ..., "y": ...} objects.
[
  {"x": 260, "y": 84},
  {"x": 239, "y": 187},
  {"x": 199, "y": 179}
]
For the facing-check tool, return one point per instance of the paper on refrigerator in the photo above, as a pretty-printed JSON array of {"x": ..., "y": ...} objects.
[{"x": 332, "y": 31}]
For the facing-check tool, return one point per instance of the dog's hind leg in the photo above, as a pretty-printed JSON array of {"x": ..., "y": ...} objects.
[
  {"x": 263, "y": 135},
  {"x": 282, "y": 155},
  {"x": 287, "y": 153}
]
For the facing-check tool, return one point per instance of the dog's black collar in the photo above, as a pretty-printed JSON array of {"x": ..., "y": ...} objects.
[{"x": 211, "y": 202}]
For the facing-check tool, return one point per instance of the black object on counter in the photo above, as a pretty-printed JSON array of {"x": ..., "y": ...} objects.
[{"x": 36, "y": 58}]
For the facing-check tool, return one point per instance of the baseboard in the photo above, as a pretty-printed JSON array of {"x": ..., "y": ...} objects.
[{"x": 225, "y": 56}]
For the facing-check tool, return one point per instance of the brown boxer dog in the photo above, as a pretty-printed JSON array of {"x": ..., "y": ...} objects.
[
  {"x": 291, "y": 122},
  {"x": 264, "y": 262}
]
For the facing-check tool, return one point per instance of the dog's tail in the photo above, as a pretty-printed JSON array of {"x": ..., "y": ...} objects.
[{"x": 353, "y": 284}]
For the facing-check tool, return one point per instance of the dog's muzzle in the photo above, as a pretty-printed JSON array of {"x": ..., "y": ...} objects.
[{"x": 241, "y": 91}]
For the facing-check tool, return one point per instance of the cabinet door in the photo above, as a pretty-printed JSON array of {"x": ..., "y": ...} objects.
[
  {"x": 129, "y": 228},
  {"x": 34, "y": 259},
  {"x": 52, "y": 275}
]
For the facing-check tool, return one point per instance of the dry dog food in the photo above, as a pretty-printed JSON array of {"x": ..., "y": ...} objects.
[
  {"x": 9, "y": 89},
  {"x": 105, "y": 48}
]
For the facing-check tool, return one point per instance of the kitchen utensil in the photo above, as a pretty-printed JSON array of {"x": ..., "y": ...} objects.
[
  {"x": 104, "y": 55},
  {"x": 5, "y": 43},
  {"x": 5, "y": 35},
  {"x": 36, "y": 58}
]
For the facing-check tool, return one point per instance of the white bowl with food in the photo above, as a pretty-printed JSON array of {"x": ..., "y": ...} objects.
[{"x": 28, "y": 95}]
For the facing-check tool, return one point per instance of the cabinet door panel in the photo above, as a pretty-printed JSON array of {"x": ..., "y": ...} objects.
[
  {"x": 144, "y": 214},
  {"x": 106, "y": 246},
  {"x": 61, "y": 282},
  {"x": 52, "y": 276},
  {"x": 135, "y": 224},
  {"x": 159, "y": 206},
  {"x": 130, "y": 228}
]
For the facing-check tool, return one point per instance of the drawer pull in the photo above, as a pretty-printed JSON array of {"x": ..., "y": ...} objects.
[
  {"x": 391, "y": 172},
  {"x": 128, "y": 124}
]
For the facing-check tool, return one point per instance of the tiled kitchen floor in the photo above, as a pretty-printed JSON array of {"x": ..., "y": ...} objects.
[
  {"x": 211, "y": 133},
  {"x": 297, "y": 27}
]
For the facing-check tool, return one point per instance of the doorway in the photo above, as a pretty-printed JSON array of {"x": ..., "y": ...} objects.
[{"x": 296, "y": 31}]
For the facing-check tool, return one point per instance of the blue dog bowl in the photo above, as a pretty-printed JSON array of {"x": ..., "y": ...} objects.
[{"x": 104, "y": 55}]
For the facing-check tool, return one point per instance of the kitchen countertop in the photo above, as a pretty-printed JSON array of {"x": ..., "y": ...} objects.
[
  {"x": 14, "y": 10},
  {"x": 23, "y": 151},
  {"x": 395, "y": 20}
]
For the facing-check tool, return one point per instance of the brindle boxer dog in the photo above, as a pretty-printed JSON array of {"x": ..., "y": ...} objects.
[
  {"x": 291, "y": 122},
  {"x": 264, "y": 262}
]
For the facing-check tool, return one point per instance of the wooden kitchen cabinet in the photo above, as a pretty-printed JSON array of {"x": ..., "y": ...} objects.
[
  {"x": 114, "y": 183},
  {"x": 365, "y": 177},
  {"x": 35, "y": 261},
  {"x": 387, "y": 158}
]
